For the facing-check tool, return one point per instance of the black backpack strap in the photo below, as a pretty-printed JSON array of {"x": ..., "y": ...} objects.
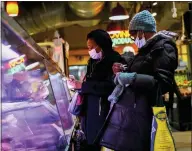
[
  {"x": 170, "y": 42},
  {"x": 176, "y": 90},
  {"x": 174, "y": 87},
  {"x": 161, "y": 45}
]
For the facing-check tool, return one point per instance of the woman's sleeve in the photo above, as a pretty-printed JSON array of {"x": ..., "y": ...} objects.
[
  {"x": 100, "y": 88},
  {"x": 105, "y": 87}
]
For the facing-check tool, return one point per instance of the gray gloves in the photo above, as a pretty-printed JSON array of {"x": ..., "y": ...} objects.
[
  {"x": 113, "y": 98},
  {"x": 121, "y": 81},
  {"x": 124, "y": 79}
]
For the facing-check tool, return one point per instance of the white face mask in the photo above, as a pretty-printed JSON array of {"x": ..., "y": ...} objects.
[
  {"x": 140, "y": 42},
  {"x": 94, "y": 55}
]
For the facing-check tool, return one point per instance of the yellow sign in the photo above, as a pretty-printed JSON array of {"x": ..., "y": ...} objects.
[
  {"x": 16, "y": 69},
  {"x": 17, "y": 65},
  {"x": 17, "y": 61},
  {"x": 120, "y": 37}
]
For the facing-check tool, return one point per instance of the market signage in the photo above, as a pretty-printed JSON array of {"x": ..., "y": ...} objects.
[
  {"x": 120, "y": 37},
  {"x": 17, "y": 65}
]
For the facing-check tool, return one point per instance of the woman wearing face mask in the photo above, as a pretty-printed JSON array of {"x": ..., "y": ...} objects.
[
  {"x": 98, "y": 84},
  {"x": 129, "y": 125}
]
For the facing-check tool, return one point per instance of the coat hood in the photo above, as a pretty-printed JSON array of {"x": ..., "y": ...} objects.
[{"x": 167, "y": 34}]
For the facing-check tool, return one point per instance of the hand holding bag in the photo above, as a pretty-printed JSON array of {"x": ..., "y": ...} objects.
[
  {"x": 76, "y": 105},
  {"x": 161, "y": 135}
]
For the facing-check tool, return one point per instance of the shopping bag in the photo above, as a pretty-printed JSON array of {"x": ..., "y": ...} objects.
[
  {"x": 76, "y": 105},
  {"x": 78, "y": 140},
  {"x": 106, "y": 149},
  {"x": 161, "y": 135}
]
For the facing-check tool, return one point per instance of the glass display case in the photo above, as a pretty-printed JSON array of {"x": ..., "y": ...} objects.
[
  {"x": 34, "y": 99},
  {"x": 62, "y": 97},
  {"x": 78, "y": 71}
]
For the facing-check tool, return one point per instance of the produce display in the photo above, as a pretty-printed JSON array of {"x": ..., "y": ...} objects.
[{"x": 184, "y": 83}]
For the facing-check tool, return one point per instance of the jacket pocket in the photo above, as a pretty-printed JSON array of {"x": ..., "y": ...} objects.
[
  {"x": 137, "y": 125},
  {"x": 118, "y": 116}
]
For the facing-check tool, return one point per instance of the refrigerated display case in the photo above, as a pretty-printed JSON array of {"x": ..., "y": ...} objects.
[
  {"x": 34, "y": 99},
  {"x": 78, "y": 71},
  {"x": 62, "y": 96}
]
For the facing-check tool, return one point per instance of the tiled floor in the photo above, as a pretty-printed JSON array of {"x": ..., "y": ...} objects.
[
  {"x": 184, "y": 149},
  {"x": 183, "y": 140}
]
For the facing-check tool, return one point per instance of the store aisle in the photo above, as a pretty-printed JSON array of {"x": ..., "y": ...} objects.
[{"x": 184, "y": 149}]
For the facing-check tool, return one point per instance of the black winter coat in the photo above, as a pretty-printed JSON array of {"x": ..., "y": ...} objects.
[
  {"x": 96, "y": 89},
  {"x": 128, "y": 127}
]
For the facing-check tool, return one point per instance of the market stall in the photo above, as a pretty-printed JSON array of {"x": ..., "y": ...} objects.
[
  {"x": 180, "y": 104},
  {"x": 181, "y": 107},
  {"x": 35, "y": 97}
]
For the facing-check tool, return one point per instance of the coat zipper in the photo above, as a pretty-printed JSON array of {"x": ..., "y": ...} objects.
[{"x": 99, "y": 106}]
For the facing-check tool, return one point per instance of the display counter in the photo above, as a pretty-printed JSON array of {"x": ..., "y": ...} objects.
[{"x": 35, "y": 98}]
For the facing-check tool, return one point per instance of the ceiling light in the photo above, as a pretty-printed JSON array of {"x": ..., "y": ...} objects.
[
  {"x": 32, "y": 66},
  {"x": 119, "y": 13},
  {"x": 154, "y": 3},
  {"x": 18, "y": 58},
  {"x": 174, "y": 10},
  {"x": 154, "y": 14},
  {"x": 12, "y": 8},
  {"x": 119, "y": 17}
]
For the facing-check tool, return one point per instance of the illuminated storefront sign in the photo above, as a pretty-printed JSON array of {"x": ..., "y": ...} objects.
[
  {"x": 17, "y": 61},
  {"x": 120, "y": 37},
  {"x": 17, "y": 65}
]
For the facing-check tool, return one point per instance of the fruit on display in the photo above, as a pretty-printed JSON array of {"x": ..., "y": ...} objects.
[
  {"x": 182, "y": 81},
  {"x": 184, "y": 84},
  {"x": 187, "y": 83},
  {"x": 185, "y": 91}
]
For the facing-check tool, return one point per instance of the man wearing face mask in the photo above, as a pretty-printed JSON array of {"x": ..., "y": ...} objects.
[
  {"x": 130, "y": 119},
  {"x": 98, "y": 84}
]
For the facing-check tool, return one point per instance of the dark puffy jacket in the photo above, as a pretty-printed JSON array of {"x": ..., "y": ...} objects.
[
  {"x": 128, "y": 56},
  {"x": 128, "y": 127},
  {"x": 96, "y": 89}
]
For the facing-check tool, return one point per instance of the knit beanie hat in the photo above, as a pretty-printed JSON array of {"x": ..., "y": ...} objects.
[{"x": 143, "y": 21}]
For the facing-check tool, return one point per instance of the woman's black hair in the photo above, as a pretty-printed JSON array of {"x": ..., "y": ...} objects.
[{"x": 102, "y": 39}]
